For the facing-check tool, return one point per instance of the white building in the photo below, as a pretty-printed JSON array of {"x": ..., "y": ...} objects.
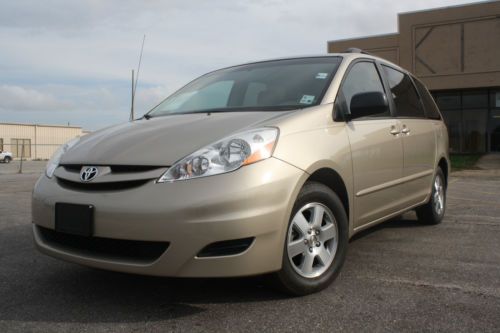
[{"x": 40, "y": 141}]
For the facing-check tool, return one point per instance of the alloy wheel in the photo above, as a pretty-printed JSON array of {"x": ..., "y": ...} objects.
[
  {"x": 312, "y": 240},
  {"x": 438, "y": 196}
]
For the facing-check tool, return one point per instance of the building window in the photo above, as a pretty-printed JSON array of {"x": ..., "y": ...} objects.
[
  {"x": 495, "y": 99},
  {"x": 448, "y": 101},
  {"x": 467, "y": 115},
  {"x": 1, "y": 144},
  {"x": 475, "y": 99},
  {"x": 453, "y": 121},
  {"x": 474, "y": 129},
  {"x": 17, "y": 147},
  {"x": 495, "y": 120}
]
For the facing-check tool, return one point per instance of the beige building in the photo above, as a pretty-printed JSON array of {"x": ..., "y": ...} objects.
[
  {"x": 455, "y": 51},
  {"x": 40, "y": 141}
]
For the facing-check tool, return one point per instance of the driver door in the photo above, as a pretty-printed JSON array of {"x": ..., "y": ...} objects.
[{"x": 376, "y": 148}]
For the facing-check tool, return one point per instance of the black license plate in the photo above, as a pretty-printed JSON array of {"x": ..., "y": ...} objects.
[{"x": 74, "y": 219}]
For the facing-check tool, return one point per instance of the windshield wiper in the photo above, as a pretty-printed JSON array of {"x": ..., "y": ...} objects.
[
  {"x": 244, "y": 108},
  {"x": 230, "y": 109}
]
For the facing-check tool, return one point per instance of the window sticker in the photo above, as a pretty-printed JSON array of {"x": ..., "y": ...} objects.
[
  {"x": 321, "y": 76},
  {"x": 307, "y": 99}
]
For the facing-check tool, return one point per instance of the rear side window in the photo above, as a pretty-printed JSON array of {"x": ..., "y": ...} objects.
[
  {"x": 404, "y": 94},
  {"x": 362, "y": 77},
  {"x": 431, "y": 109}
]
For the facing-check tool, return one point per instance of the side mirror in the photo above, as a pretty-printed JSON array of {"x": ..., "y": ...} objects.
[{"x": 368, "y": 104}]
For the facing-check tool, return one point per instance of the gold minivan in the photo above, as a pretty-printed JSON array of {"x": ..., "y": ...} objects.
[{"x": 266, "y": 167}]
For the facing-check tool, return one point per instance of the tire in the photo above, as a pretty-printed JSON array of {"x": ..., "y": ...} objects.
[
  {"x": 7, "y": 159},
  {"x": 314, "y": 249},
  {"x": 433, "y": 211}
]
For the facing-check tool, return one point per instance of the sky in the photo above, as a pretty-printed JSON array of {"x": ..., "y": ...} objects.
[{"x": 70, "y": 61}]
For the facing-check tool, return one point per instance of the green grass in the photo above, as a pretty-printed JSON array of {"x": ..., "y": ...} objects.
[{"x": 464, "y": 161}]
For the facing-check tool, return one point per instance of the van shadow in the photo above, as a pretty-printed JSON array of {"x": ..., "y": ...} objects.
[
  {"x": 42, "y": 289},
  {"x": 83, "y": 295},
  {"x": 407, "y": 220}
]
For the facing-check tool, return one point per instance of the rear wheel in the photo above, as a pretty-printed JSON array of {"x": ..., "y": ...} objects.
[
  {"x": 7, "y": 159},
  {"x": 316, "y": 241},
  {"x": 433, "y": 211}
]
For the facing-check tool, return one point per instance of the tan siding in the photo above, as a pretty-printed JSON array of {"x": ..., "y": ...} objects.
[
  {"x": 385, "y": 46},
  {"x": 439, "y": 50},
  {"x": 481, "y": 36},
  {"x": 448, "y": 48},
  {"x": 44, "y": 139}
]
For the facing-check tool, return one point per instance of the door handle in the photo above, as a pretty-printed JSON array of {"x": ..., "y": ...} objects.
[
  {"x": 405, "y": 130},
  {"x": 394, "y": 130}
]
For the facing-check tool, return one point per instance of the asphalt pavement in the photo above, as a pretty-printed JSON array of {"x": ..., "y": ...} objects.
[{"x": 399, "y": 276}]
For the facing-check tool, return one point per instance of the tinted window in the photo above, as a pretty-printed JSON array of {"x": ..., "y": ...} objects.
[
  {"x": 448, "y": 101},
  {"x": 362, "y": 77},
  {"x": 431, "y": 110},
  {"x": 495, "y": 99},
  {"x": 474, "y": 99},
  {"x": 453, "y": 121},
  {"x": 404, "y": 94}
]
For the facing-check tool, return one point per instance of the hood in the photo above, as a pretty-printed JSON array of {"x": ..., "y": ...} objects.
[{"x": 161, "y": 141}]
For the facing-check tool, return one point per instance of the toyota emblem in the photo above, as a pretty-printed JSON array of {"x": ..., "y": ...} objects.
[{"x": 88, "y": 173}]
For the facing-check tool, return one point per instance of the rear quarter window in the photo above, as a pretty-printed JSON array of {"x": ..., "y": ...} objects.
[{"x": 431, "y": 109}]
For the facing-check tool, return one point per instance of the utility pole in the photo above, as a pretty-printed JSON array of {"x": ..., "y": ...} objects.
[{"x": 22, "y": 156}]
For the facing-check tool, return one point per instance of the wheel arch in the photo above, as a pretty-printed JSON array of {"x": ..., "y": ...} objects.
[
  {"x": 332, "y": 179},
  {"x": 444, "y": 166}
]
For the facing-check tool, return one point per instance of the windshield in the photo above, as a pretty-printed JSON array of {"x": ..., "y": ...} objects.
[{"x": 271, "y": 85}]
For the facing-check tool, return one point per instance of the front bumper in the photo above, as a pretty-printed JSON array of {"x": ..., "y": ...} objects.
[{"x": 254, "y": 201}]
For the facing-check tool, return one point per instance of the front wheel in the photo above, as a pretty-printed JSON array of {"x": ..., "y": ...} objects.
[
  {"x": 7, "y": 159},
  {"x": 316, "y": 241},
  {"x": 433, "y": 211}
]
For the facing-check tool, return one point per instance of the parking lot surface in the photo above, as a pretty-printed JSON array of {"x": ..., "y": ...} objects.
[
  {"x": 14, "y": 167},
  {"x": 398, "y": 276}
]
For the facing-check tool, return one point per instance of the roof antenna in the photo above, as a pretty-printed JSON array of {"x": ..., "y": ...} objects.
[{"x": 134, "y": 83}]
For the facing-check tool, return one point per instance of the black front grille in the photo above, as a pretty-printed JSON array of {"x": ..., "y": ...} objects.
[
  {"x": 115, "y": 168},
  {"x": 72, "y": 167},
  {"x": 226, "y": 248},
  {"x": 108, "y": 186},
  {"x": 105, "y": 248}
]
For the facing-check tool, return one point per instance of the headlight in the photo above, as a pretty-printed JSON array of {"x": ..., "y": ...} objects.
[
  {"x": 225, "y": 155},
  {"x": 56, "y": 158}
]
